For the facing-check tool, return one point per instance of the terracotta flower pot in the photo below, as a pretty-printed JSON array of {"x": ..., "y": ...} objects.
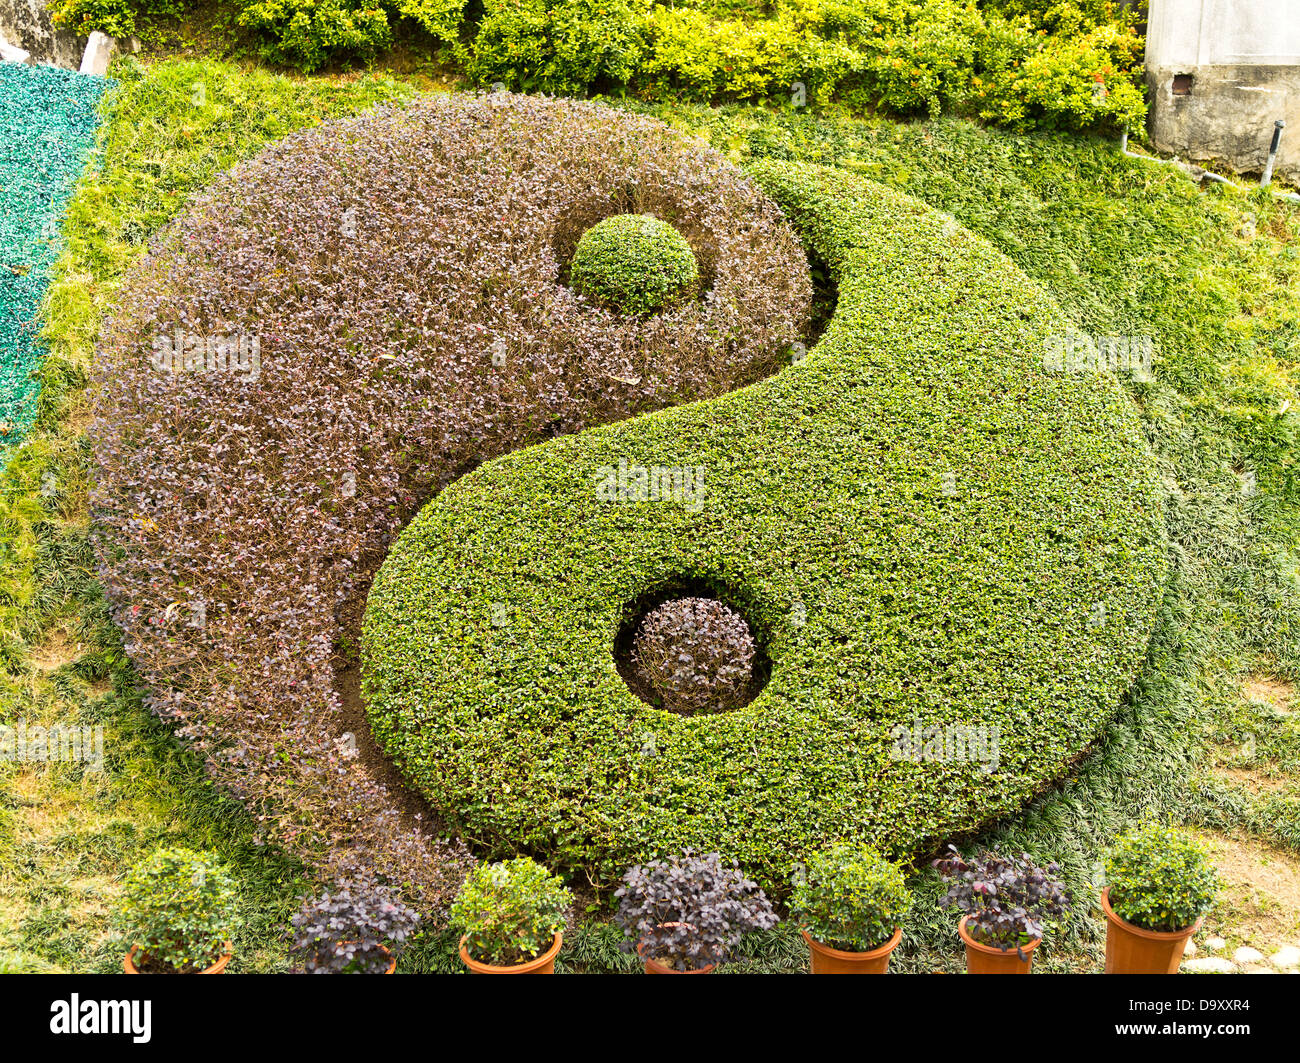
[
  {"x": 128, "y": 962},
  {"x": 1132, "y": 950},
  {"x": 826, "y": 960},
  {"x": 543, "y": 964},
  {"x": 653, "y": 966},
  {"x": 985, "y": 959}
]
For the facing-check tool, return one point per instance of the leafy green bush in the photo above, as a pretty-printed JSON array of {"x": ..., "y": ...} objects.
[
  {"x": 510, "y": 912},
  {"x": 903, "y": 57},
  {"x": 178, "y": 906},
  {"x": 1068, "y": 82},
  {"x": 310, "y": 33},
  {"x": 1160, "y": 878},
  {"x": 851, "y": 899},
  {"x": 117, "y": 18},
  {"x": 918, "y": 523},
  {"x": 556, "y": 46},
  {"x": 634, "y": 263}
]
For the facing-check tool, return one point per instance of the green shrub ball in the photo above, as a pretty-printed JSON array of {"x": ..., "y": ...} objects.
[{"x": 634, "y": 263}]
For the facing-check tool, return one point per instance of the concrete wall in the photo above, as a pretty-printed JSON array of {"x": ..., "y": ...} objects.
[
  {"x": 26, "y": 23},
  {"x": 1244, "y": 60}
]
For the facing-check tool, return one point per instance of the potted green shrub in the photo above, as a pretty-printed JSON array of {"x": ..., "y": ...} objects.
[
  {"x": 1006, "y": 899},
  {"x": 685, "y": 914},
  {"x": 356, "y": 928},
  {"x": 850, "y": 903},
  {"x": 512, "y": 918},
  {"x": 1159, "y": 885},
  {"x": 179, "y": 912}
]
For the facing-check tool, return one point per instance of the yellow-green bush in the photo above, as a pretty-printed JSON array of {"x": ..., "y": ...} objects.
[{"x": 903, "y": 57}]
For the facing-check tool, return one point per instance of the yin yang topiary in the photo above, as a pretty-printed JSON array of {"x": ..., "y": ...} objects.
[
  {"x": 325, "y": 338},
  {"x": 634, "y": 263}
]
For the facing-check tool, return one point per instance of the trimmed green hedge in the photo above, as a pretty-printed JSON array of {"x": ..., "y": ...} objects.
[
  {"x": 924, "y": 528},
  {"x": 635, "y": 263}
]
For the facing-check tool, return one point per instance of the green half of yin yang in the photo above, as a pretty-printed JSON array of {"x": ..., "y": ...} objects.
[{"x": 950, "y": 555}]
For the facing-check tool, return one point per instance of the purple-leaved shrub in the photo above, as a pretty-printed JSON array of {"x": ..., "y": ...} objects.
[
  {"x": 696, "y": 654},
  {"x": 331, "y": 334}
]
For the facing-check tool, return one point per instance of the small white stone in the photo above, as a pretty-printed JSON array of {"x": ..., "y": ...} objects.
[
  {"x": 11, "y": 53},
  {"x": 100, "y": 48},
  {"x": 1215, "y": 944},
  {"x": 1258, "y": 970},
  {"x": 1246, "y": 954},
  {"x": 1209, "y": 965},
  {"x": 1286, "y": 956},
  {"x": 1190, "y": 948}
]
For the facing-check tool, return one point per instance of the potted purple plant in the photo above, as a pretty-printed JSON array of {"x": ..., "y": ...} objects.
[
  {"x": 685, "y": 914},
  {"x": 356, "y": 929},
  {"x": 1006, "y": 899}
]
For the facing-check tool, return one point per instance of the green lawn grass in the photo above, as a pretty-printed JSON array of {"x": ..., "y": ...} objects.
[{"x": 1125, "y": 246}]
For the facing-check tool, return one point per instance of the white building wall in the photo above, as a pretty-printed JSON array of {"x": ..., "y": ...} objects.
[{"x": 1243, "y": 57}]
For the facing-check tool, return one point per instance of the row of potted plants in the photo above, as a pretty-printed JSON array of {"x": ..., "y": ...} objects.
[{"x": 686, "y": 914}]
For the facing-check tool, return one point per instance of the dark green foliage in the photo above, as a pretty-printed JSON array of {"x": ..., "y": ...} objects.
[
  {"x": 923, "y": 527},
  {"x": 634, "y": 263}
]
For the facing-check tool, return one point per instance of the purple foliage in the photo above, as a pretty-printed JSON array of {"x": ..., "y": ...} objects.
[
  {"x": 689, "y": 911},
  {"x": 356, "y": 929},
  {"x": 1006, "y": 897},
  {"x": 696, "y": 654}
]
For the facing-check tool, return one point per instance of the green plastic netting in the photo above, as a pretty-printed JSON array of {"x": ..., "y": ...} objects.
[{"x": 47, "y": 126}]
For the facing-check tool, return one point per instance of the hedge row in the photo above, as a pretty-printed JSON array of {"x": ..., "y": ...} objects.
[
  {"x": 1071, "y": 64},
  {"x": 926, "y": 530},
  {"x": 903, "y": 57}
]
